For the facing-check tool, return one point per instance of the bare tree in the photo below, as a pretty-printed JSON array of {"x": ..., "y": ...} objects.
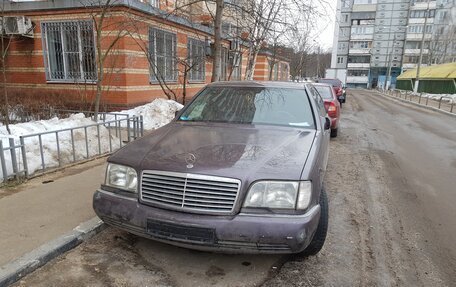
[
  {"x": 108, "y": 34},
  {"x": 5, "y": 44},
  {"x": 263, "y": 14}
]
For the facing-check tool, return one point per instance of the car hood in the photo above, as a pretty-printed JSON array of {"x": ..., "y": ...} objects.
[{"x": 244, "y": 152}]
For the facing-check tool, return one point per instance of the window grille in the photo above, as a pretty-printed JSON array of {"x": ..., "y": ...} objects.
[
  {"x": 236, "y": 66},
  {"x": 197, "y": 60},
  {"x": 70, "y": 51},
  {"x": 162, "y": 49},
  {"x": 224, "y": 64}
]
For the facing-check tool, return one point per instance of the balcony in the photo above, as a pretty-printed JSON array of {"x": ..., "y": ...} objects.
[
  {"x": 362, "y": 37},
  {"x": 357, "y": 79},
  {"x": 358, "y": 65},
  {"x": 423, "y": 5},
  {"x": 418, "y": 36},
  {"x": 415, "y": 51},
  {"x": 364, "y": 7},
  {"x": 361, "y": 51}
]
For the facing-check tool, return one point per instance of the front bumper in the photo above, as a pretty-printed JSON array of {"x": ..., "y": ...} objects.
[{"x": 242, "y": 233}]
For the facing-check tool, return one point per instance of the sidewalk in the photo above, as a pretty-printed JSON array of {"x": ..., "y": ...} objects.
[{"x": 38, "y": 212}]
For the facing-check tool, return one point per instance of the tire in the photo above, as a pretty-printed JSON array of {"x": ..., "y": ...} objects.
[
  {"x": 322, "y": 229},
  {"x": 334, "y": 132}
]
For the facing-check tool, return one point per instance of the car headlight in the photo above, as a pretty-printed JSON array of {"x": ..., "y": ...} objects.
[
  {"x": 279, "y": 195},
  {"x": 122, "y": 177}
]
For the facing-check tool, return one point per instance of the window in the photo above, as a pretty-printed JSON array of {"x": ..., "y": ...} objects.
[
  {"x": 422, "y": 14},
  {"x": 236, "y": 66},
  {"x": 362, "y": 30},
  {"x": 345, "y": 3},
  {"x": 340, "y": 60},
  {"x": 69, "y": 51},
  {"x": 197, "y": 59},
  {"x": 358, "y": 73},
  {"x": 162, "y": 49},
  {"x": 224, "y": 65},
  {"x": 360, "y": 44},
  {"x": 359, "y": 59},
  {"x": 155, "y": 3},
  {"x": 418, "y": 29}
]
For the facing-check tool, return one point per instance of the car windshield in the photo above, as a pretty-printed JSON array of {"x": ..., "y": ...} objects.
[
  {"x": 325, "y": 92},
  {"x": 332, "y": 82},
  {"x": 251, "y": 105}
]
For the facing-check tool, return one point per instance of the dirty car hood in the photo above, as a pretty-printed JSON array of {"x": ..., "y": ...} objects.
[{"x": 244, "y": 152}]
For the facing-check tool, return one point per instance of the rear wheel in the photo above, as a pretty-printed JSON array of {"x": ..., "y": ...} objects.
[
  {"x": 320, "y": 235},
  {"x": 334, "y": 132}
]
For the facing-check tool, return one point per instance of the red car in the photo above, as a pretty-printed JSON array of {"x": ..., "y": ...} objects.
[
  {"x": 332, "y": 105},
  {"x": 337, "y": 87}
]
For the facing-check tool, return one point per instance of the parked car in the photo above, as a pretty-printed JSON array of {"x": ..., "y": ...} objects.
[
  {"x": 332, "y": 105},
  {"x": 338, "y": 88},
  {"x": 240, "y": 169}
]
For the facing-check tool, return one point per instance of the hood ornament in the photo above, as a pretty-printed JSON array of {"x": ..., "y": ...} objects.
[{"x": 190, "y": 159}]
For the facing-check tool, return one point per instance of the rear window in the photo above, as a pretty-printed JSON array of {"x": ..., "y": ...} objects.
[
  {"x": 325, "y": 92},
  {"x": 332, "y": 82},
  {"x": 251, "y": 105}
]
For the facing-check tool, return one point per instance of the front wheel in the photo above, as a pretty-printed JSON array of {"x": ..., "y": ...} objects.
[{"x": 320, "y": 235}]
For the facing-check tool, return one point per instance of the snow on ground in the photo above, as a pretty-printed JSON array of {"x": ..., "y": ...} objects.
[
  {"x": 49, "y": 142},
  {"x": 446, "y": 97},
  {"x": 155, "y": 115}
]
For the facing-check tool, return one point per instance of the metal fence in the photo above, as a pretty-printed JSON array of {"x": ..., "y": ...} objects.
[
  {"x": 66, "y": 146},
  {"x": 9, "y": 160},
  {"x": 443, "y": 103}
]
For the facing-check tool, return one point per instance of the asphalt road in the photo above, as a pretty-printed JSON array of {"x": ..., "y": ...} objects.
[{"x": 391, "y": 184}]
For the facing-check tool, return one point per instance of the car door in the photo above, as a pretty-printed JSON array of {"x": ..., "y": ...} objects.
[{"x": 324, "y": 134}]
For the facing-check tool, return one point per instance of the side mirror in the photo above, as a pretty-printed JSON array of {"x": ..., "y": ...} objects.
[{"x": 327, "y": 123}]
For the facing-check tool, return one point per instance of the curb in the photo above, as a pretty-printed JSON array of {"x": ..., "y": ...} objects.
[
  {"x": 417, "y": 105},
  {"x": 29, "y": 262}
]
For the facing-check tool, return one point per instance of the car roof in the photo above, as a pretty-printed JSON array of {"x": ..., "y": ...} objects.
[
  {"x": 322, "y": 84},
  {"x": 269, "y": 84}
]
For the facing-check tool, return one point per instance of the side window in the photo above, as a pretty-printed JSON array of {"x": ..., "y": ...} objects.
[{"x": 318, "y": 100}]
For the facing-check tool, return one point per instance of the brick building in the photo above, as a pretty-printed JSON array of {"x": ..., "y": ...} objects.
[{"x": 146, "y": 52}]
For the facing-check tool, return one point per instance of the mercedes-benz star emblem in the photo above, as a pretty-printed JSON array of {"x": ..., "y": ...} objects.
[{"x": 190, "y": 160}]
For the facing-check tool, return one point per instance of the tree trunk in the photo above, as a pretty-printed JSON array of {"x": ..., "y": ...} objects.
[
  {"x": 251, "y": 62},
  {"x": 5, "y": 89},
  {"x": 216, "y": 66}
]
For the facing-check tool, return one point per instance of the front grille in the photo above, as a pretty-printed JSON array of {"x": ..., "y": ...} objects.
[{"x": 191, "y": 192}]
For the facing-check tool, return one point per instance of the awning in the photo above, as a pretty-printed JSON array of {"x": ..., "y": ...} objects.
[{"x": 443, "y": 71}]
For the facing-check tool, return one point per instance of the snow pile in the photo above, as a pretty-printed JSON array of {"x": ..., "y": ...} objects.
[
  {"x": 49, "y": 142},
  {"x": 446, "y": 97},
  {"x": 155, "y": 114}
]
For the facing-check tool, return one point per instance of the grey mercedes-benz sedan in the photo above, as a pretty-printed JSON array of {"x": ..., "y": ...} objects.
[{"x": 240, "y": 169}]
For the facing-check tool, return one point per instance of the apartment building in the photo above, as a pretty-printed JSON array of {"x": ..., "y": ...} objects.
[
  {"x": 54, "y": 51},
  {"x": 375, "y": 40}
]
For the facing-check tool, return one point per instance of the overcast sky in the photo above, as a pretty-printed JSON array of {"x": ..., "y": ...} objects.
[{"x": 326, "y": 24}]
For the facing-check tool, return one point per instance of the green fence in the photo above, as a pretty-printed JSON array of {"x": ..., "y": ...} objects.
[{"x": 446, "y": 86}]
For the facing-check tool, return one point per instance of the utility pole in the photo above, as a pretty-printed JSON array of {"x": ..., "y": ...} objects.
[
  {"x": 417, "y": 78},
  {"x": 390, "y": 56}
]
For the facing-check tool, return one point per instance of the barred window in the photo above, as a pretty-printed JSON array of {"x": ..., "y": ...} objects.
[
  {"x": 69, "y": 51},
  {"x": 197, "y": 60},
  {"x": 236, "y": 66},
  {"x": 224, "y": 64},
  {"x": 162, "y": 49}
]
